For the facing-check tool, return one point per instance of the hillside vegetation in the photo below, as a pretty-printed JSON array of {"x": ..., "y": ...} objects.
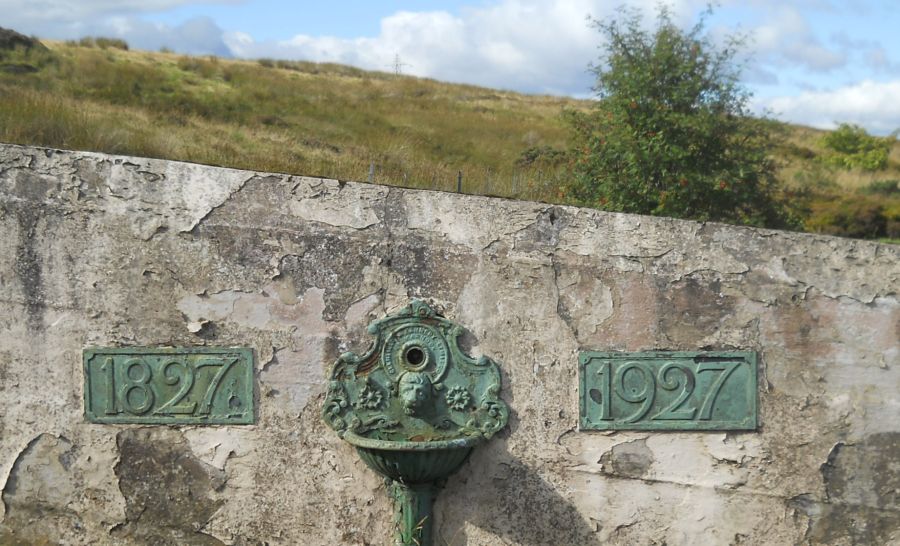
[{"x": 341, "y": 122}]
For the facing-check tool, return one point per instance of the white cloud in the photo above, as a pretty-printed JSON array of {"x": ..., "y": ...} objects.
[
  {"x": 871, "y": 104},
  {"x": 197, "y": 36},
  {"x": 69, "y": 19},
  {"x": 787, "y": 38}
]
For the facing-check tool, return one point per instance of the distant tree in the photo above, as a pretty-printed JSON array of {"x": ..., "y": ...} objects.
[
  {"x": 671, "y": 133},
  {"x": 850, "y": 146}
]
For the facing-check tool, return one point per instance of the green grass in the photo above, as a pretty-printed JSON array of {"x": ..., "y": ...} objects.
[{"x": 336, "y": 121}]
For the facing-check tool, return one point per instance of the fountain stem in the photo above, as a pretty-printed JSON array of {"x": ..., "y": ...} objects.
[{"x": 413, "y": 517}]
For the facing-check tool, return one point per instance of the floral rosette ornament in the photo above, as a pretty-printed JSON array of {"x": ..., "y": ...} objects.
[{"x": 458, "y": 398}]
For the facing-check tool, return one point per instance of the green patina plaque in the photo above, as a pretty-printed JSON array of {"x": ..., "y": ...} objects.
[
  {"x": 196, "y": 385},
  {"x": 668, "y": 391}
]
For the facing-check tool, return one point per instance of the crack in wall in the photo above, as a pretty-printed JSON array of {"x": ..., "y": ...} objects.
[{"x": 199, "y": 221}]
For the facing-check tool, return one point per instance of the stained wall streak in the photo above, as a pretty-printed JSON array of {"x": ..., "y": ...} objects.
[
  {"x": 169, "y": 493},
  {"x": 121, "y": 251},
  {"x": 28, "y": 266}
]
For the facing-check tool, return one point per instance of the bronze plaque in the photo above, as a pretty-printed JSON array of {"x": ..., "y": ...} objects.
[
  {"x": 668, "y": 391},
  {"x": 192, "y": 386}
]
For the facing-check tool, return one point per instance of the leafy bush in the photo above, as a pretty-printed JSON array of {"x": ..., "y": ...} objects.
[
  {"x": 815, "y": 178},
  {"x": 101, "y": 42},
  {"x": 10, "y": 39},
  {"x": 205, "y": 68},
  {"x": 543, "y": 155},
  {"x": 116, "y": 43},
  {"x": 851, "y": 216},
  {"x": 851, "y": 147},
  {"x": 883, "y": 187},
  {"x": 20, "y": 54},
  {"x": 790, "y": 149},
  {"x": 892, "y": 217},
  {"x": 672, "y": 134}
]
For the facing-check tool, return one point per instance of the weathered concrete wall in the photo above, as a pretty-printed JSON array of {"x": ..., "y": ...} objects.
[{"x": 112, "y": 251}]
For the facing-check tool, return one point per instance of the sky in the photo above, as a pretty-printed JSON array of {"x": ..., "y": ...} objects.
[{"x": 812, "y": 62}]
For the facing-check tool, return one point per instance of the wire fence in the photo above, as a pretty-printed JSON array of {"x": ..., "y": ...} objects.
[{"x": 533, "y": 184}]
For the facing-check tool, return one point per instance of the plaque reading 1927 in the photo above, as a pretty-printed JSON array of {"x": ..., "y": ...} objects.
[
  {"x": 668, "y": 391},
  {"x": 198, "y": 385}
]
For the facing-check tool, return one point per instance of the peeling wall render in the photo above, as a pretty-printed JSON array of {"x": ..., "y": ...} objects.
[{"x": 102, "y": 250}]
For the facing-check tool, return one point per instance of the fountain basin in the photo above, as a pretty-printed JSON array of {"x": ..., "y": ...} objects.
[{"x": 414, "y": 462}]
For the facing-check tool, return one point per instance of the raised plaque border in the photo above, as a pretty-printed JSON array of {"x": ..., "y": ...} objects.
[
  {"x": 749, "y": 423},
  {"x": 246, "y": 356}
]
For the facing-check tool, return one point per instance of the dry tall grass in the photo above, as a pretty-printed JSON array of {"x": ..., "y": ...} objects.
[{"x": 294, "y": 117}]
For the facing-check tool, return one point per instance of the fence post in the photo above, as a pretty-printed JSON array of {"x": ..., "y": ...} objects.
[
  {"x": 459, "y": 182},
  {"x": 372, "y": 172}
]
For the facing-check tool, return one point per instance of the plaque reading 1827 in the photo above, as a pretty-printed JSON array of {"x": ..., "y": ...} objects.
[
  {"x": 668, "y": 391},
  {"x": 198, "y": 385}
]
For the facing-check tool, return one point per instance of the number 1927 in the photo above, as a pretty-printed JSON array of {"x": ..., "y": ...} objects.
[{"x": 690, "y": 392}]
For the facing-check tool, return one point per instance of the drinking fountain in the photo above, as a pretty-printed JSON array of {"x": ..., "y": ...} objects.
[{"x": 414, "y": 406}]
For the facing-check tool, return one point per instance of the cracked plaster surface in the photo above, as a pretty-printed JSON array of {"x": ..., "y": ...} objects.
[{"x": 119, "y": 251}]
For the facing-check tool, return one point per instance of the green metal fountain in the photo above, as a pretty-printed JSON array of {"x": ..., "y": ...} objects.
[{"x": 414, "y": 406}]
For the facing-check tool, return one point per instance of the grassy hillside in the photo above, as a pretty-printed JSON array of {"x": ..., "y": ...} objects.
[
  {"x": 294, "y": 117},
  {"x": 337, "y": 121}
]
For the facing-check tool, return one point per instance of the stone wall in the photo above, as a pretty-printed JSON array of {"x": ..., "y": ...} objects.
[{"x": 101, "y": 250}]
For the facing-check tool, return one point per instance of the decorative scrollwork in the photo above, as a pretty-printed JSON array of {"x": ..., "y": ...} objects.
[
  {"x": 496, "y": 414},
  {"x": 379, "y": 422},
  {"x": 415, "y": 383},
  {"x": 335, "y": 404}
]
